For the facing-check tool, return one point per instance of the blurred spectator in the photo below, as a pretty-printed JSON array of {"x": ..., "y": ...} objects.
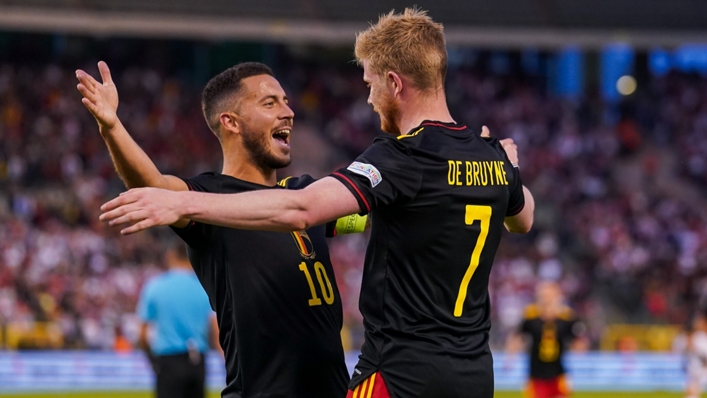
[{"x": 620, "y": 221}]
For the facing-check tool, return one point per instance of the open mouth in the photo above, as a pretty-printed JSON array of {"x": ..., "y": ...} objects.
[{"x": 283, "y": 136}]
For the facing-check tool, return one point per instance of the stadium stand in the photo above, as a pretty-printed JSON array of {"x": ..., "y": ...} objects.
[{"x": 620, "y": 220}]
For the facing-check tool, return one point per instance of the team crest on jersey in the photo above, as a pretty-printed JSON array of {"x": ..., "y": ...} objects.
[
  {"x": 304, "y": 244},
  {"x": 367, "y": 170}
]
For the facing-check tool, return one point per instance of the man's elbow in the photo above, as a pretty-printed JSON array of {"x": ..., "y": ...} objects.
[
  {"x": 519, "y": 226},
  {"x": 520, "y": 229},
  {"x": 297, "y": 220},
  {"x": 298, "y": 224}
]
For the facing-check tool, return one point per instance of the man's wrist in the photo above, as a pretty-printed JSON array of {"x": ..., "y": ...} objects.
[
  {"x": 187, "y": 207},
  {"x": 108, "y": 130}
]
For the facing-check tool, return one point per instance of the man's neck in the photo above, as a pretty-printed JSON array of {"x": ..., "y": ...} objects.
[
  {"x": 423, "y": 106},
  {"x": 239, "y": 165}
]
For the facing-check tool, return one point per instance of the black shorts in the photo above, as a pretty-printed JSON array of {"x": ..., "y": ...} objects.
[{"x": 179, "y": 376}]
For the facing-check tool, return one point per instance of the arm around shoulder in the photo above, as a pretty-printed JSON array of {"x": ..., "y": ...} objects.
[{"x": 523, "y": 221}]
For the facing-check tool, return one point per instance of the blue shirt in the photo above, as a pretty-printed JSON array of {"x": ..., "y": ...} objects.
[{"x": 176, "y": 304}]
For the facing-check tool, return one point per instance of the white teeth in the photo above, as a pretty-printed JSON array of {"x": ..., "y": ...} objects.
[{"x": 282, "y": 134}]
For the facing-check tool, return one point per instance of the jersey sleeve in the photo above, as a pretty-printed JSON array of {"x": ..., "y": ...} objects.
[
  {"x": 524, "y": 327},
  {"x": 194, "y": 233},
  {"x": 530, "y": 313},
  {"x": 516, "y": 201},
  {"x": 385, "y": 173},
  {"x": 146, "y": 306}
]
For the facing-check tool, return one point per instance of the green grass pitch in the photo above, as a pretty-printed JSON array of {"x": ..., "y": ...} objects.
[{"x": 502, "y": 394}]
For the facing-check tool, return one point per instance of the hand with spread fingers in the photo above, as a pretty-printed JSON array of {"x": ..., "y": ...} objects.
[
  {"x": 508, "y": 145},
  {"x": 142, "y": 208},
  {"x": 101, "y": 99}
]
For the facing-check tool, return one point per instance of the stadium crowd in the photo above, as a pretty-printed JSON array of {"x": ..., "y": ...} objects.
[{"x": 620, "y": 218}]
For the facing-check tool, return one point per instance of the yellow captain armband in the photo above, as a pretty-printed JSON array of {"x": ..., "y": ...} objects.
[{"x": 351, "y": 224}]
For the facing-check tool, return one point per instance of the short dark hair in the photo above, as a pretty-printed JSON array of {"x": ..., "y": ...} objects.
[{"x": 225, "y": 86}]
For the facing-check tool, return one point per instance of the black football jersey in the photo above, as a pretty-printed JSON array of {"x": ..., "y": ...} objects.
[
  {"x": 438, "y": 198},
  {"x": 276, "y": 300},
  {"x": 549, "y": 341}
]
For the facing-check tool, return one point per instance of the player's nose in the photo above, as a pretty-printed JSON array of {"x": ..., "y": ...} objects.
[{"x": 287, "y": 112}]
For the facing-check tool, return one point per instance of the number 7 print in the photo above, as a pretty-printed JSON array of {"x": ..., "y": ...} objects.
[{"x": 473, "y": 213}]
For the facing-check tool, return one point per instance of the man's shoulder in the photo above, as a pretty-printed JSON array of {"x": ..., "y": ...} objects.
[
  {"x": 167, "y": 280},
  {"x": 152, "y": 284},
  {"x": 435, "y": 137},
  {"x": 300, "y": 182},
  {"x": 531, "y": 312},
  {"x": 388, "y": 147},
  {"x": 204, "y": 182},
  {"x": 209, "y": 175},
  {"x": 566, "y": 314}
]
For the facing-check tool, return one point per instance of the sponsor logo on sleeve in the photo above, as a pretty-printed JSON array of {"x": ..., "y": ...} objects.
[{"x": 367, "y": 170}]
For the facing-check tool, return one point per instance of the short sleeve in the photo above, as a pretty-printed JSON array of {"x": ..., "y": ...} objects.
[
  {"x": 205, "y": 182},
  {"x": 146, "y": 305},
  {"x": 516, "y": 201},
  {"x": 384, "y": 174},
  {"x": 193, "y": 234},
  {"x": 524, "y": 326}
]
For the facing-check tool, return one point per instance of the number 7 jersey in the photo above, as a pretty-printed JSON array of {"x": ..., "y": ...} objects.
[{"x": 438, "y": 198}]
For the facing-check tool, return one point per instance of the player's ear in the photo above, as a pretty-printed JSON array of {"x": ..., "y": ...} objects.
[
  {"x": 230, "y": 122},
  {"x": 394, "y": 83}
]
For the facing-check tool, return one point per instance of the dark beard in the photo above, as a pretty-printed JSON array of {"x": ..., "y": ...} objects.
[
  {"x": 389, "y": 114},
  {"x": 257, "y": 146}
]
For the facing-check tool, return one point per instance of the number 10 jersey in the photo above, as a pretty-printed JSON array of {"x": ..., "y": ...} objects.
[
  {"x": 438, "y": 197},
  {"x": 276, "y": 299}
]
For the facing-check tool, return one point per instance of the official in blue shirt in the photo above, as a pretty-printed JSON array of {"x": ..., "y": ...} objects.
[{"x": 176, "y": 306}]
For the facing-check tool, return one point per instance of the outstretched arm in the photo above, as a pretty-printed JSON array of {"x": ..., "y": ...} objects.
[
  {"x": 132, "y": 164},
  {"x": 274, "y": 210}
]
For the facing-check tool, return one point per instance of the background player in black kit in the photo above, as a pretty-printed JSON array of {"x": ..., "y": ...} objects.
[
  {"x": 275, "y": 296},
  {"x": 440, "y": 194},
  {"x": 551, "y": 328}
]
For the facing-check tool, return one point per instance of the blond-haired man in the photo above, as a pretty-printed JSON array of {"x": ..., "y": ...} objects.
[
  {"x": 440, "y": 195},
  {"x": 551, "y": 327}
]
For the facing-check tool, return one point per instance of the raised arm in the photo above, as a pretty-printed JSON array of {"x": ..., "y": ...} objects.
[
  {"x": 271, "y": 209},
  {"x": 132, "y": 163},
  {"x": 523, "y": 221}
]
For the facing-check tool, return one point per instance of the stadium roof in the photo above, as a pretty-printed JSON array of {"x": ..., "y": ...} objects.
[{"x": 511, "y": 23}]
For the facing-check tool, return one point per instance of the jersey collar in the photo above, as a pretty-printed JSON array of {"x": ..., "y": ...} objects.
[{"x": 435, "y": 123}]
